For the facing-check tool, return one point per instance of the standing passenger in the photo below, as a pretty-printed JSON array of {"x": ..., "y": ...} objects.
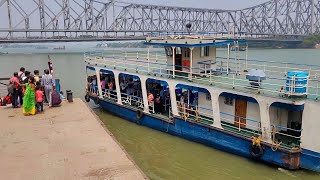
[
  {"x": 29, "y": 105},
  {"x": 16, "y": 85},
  {"x": 48, "y": 82},
  {"x": 39, "y": 99},
  {"x": 36, "y": 76}
]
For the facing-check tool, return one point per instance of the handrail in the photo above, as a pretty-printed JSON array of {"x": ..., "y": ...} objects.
[{"x": 272, "y": 86}]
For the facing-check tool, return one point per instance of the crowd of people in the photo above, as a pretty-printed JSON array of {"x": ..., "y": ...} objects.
[{"x": 31, "y": 91}]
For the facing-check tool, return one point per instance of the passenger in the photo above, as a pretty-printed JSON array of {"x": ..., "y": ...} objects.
[
  {"x": 39, "y": 99},
  {"x": 49, "y": 85},
  {"x": 94, "y": 84},
  {"x": 36, "y": 76},
  {"x": 14, "y": 80},
  {"x": 157, "y": 105},
  {"x": 25, "y": 79},
  {"x": 21, "y": 76},
  {"x": 150, "y": 98},
  {"x": 103, "y": 85},
  {"x": 110, "y": 85},
  {"x": 21, "y": 73},
  {"x": 29, "y": 105},
  {"x": 123, "y": 86}
]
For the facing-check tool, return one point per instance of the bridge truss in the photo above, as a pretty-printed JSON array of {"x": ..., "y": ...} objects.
[{"x": 93, "y": 19}]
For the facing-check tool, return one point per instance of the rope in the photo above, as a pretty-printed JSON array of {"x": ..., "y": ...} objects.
[{"x": 275, "y": 145}]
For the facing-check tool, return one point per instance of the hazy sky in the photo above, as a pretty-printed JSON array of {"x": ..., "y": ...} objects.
[{"x": 212, "y": 4}]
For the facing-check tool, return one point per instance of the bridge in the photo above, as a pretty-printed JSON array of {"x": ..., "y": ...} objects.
[{"x": 94, "y": 20}]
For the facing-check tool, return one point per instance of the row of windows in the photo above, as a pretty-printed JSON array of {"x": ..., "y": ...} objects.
[{"x": 204, "y": 51}]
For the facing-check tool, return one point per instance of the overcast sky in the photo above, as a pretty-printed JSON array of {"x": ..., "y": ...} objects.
[{"x": 212, "y": 4}]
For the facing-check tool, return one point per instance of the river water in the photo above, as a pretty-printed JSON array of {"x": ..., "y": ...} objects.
[{"x": 159, "y": 155}]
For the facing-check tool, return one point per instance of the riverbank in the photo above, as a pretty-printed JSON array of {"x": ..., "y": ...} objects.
[{"x": 66, "y": 142}]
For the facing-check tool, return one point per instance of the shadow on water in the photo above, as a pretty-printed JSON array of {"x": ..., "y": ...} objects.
[{"x": 162, "y": 156}]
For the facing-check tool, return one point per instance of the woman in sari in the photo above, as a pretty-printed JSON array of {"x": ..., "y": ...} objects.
[{"x": 29, "y": 104}]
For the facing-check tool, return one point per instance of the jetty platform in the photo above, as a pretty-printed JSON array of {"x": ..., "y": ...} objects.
[{"x": 67, "y": 142}]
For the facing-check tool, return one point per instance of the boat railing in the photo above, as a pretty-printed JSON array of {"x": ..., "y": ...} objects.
[
  {"x": 109, "y": 94},
  {"x": 132, "y": 100},
  {"x": 246, "y": 128},
  {"x": 232, "y": 79},
  {"x": 197, "y": 113},
  {"x": 272, "y": 68}
]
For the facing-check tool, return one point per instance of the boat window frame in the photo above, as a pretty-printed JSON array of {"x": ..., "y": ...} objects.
[
  {"x": 186, "y": 53},
  {"x": 204, "y": 51}
]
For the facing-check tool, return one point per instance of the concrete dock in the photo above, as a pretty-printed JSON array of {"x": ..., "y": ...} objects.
[{"x": 66, "y": 142}]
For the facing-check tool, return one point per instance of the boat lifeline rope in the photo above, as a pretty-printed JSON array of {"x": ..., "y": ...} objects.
[{"x": 275, "y": 144}]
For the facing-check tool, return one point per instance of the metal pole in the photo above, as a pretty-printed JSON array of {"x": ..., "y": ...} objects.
[
  {"x": 148, "y": 59},
  {"x": 191, "y": 62},
  {"x": 228, "y": 58},
  {"x": 247, "y": 57},
  {"x": 173, "y": 61}
]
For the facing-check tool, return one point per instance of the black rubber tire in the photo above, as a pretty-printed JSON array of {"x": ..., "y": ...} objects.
[
  {"x": 97, "y": 100},
  {"x": 87, "y": 98},
  {"x": 139, "y": 115},
  {"x": 256, "y": 151}
]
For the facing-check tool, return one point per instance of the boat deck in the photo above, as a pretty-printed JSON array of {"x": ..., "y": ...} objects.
[{"x": 273, "y": 86}]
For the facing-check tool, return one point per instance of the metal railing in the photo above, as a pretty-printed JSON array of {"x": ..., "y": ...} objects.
[
  {"x": 248, "y": 128},
  {"x": 142, "y": 63}
]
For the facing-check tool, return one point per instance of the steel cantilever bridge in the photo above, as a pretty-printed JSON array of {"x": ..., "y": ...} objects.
[{"x": 85, "y": 20}]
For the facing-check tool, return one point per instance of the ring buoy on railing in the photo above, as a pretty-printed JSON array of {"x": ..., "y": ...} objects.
[
  {"x": 256, "y": 149},
  {"x": 97, "y": 100},
  {"x": 87, "y": 98}
]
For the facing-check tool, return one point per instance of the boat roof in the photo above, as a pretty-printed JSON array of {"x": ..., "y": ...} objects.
[
  {"x": 191, "y": 41},
  {"x": 196, "y": 44}
]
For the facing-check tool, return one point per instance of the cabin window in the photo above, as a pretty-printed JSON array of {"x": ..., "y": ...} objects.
[
  {"x": 168, "y": 51},
  {"x": 186, "y": 52},
  {"x": 178, "y": 50},
  {"x": 228, "y": 101},
  {"x": 204, "y": 51}
]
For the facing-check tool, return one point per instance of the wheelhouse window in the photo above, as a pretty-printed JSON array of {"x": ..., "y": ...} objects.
[
  {"x": 168, "y": 51},
  {"x": 186, "y": 52},
  {"x": 204, "y": 52}
]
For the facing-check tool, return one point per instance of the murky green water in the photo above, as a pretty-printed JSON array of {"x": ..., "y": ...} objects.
[
  {"x": 162, "y": 156},
  {"x": 159, "y": 155}
]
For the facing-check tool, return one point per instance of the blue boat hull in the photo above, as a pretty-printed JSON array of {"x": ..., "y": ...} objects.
[{"x": 213, "y": 137}]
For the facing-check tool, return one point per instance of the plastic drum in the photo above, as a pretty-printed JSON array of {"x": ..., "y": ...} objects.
[{"x": 297, "y": 82}]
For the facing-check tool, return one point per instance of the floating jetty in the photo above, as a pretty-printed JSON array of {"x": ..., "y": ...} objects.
[{"x": 67, "y": 142}]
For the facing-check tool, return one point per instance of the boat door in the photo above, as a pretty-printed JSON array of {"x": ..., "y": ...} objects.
[
  {"x": 178, "y": 59},
  {"x": 240, "y": 113}
]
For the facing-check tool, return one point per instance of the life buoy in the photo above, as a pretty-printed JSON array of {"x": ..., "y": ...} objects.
[
  {"x": 97, "y": 100},
  {"x": 87, "y": 98},
  {"x": 256, "y": 151},
  {"x": 139, "y": 116}
]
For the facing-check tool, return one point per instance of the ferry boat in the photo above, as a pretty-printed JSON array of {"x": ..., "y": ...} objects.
[
  {"x": 60, "y": 48},
  {"x": 262, "y": 110}
]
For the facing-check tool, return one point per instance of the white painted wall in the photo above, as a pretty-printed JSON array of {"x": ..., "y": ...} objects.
[
  {"x": 226, "y": 109},
  {"x": 203, "y": 102},
  {"x": 253, "y": 113},
  {"x": 311, "y": 127},
  {"x": 278, "y": 116},
  {"x": 197, "y": 58}
]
